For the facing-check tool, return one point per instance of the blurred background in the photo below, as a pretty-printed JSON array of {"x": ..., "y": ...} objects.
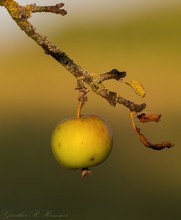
[{"x": 141, "y": 37}]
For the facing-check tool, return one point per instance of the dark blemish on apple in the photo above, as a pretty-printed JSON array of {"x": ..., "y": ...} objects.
[
  {"x": 92, "y": 159},
  {"x": 59, "y": 144}
]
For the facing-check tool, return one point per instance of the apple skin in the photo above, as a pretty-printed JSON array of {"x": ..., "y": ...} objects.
[{"x": 79, "y": 143}]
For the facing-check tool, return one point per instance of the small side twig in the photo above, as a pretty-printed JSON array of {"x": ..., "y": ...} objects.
[
  {"x": 113, "y": 74},
  {"x": 53, "y": 9}
]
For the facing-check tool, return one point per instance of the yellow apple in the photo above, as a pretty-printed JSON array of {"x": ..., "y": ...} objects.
[{"x": 79, "y": 143}]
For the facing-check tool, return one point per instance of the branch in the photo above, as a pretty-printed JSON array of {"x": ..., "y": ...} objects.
[
  {"x": 53, "y": 9},
  {"x": 20, "y": 15},
  {"x": 113, "y": 74}
]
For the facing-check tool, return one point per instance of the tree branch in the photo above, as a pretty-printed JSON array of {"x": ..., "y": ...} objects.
[
  {"x": 113, "y": 74},
  {"x": 21, "y": 14},
  {"x": 53, "y": 9}
]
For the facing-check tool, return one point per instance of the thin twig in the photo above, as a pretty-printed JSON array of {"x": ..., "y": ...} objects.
[
  {"x": 53, "y": 9},
  {"x": 113, "y": 74}
]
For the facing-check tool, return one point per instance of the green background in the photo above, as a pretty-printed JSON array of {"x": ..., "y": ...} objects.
[{"x": 36, "y": 93}]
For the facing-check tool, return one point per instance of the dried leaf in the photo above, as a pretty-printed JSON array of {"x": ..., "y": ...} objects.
[
  {"x": 147, "y": 143},
  {"x": 148, "y": 117},
  {"x": 142, "y": 138},
  {"x": 137, "y": 87},
  {"x": 164, "y": 144}
]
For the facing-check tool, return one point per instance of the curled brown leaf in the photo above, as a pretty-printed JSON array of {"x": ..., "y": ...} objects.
[
  {"x": 147, "y": 143},
  {"x": 143, "y": 139},
  {"x": 148, "y": 117}
]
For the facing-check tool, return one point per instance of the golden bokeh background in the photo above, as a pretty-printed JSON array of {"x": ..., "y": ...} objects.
[{"x": 36, "y": 93}]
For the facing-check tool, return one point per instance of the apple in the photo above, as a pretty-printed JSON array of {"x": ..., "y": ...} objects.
[{"x": 79, "y": 143}]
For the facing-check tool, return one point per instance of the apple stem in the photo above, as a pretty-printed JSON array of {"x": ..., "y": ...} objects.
[
  {"x": 82, "y": 97},
  {"x": 79, "y": 109}
]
